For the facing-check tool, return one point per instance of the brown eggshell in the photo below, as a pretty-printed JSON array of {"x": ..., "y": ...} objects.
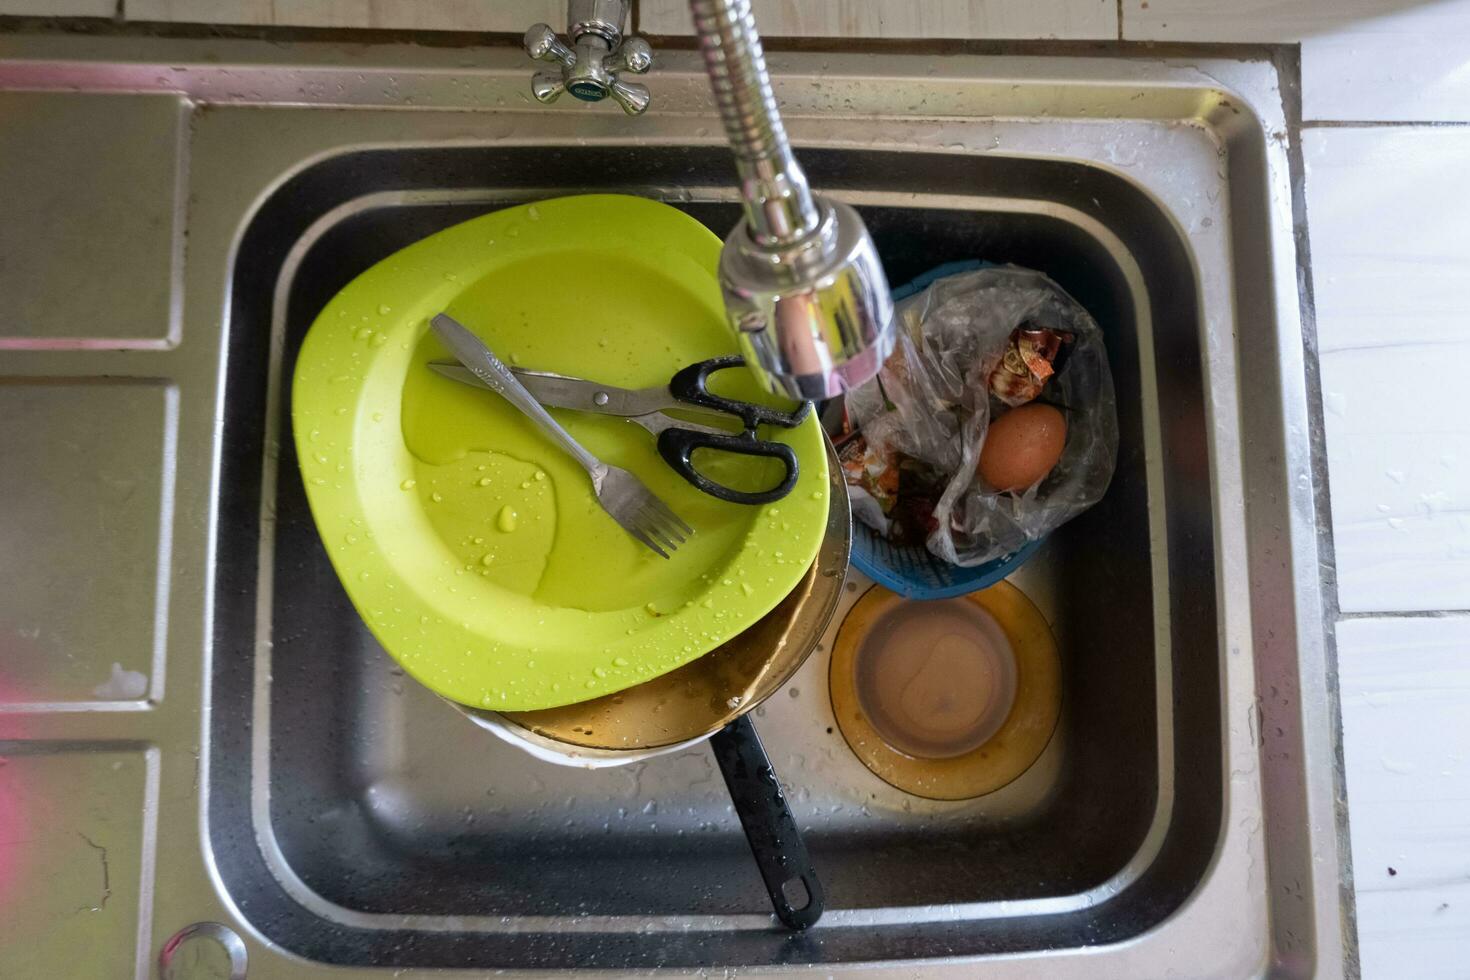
[{"x": 1022, "y": 446}]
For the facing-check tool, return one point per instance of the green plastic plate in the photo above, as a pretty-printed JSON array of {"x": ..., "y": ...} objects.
[{"x": 471, "y": 546}]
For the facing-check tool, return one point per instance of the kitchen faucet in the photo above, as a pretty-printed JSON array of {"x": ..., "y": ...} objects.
[{"x": 804, "y": 290}]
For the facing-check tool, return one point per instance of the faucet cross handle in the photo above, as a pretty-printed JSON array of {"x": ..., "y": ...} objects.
[{"x": 598, "y": 54}]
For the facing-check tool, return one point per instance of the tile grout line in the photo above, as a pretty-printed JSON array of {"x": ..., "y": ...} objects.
[
  {"x": 1288, "y": 66},
  {"x": 1386, "y": 124},
  {"x": 1407, "y": 614}
]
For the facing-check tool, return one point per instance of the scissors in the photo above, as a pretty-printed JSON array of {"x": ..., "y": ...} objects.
[{"x": 677, "y": 439}]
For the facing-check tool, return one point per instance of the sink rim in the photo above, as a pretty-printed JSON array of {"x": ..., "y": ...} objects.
[{"x": 561, "y": 924}]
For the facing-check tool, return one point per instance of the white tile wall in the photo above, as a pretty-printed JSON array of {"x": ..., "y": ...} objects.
[
  {"x": 1069, "y": 19},
  {"x": 1409, "y": 66},
  {"x": 1388, "y": 60},
  {"x": 425, "y": 15},
  {"x": 1389, "y": 224},
  {"x": 1405, "y": 685},
  {"x": 1260, "y": 21},
  {"x": 58, "y": 8}
]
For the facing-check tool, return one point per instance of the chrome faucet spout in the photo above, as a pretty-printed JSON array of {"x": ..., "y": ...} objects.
[
  {"x": 804, "y": 290},
  {"x": 778, "y": 203}
]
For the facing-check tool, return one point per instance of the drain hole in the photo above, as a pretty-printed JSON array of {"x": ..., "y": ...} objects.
[{"x": 795, "y": 892}]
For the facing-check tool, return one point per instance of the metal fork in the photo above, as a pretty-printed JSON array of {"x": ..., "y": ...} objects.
[{"x": 621, "y": 494}]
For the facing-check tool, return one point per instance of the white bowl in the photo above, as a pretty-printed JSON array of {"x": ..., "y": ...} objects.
[{"x": 560, "y": 753}]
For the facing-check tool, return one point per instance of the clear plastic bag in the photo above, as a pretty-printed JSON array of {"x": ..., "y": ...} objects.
[{"x": 932, "y": 405}]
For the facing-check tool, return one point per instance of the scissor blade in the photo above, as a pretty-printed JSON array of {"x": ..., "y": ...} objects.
[
  {"x": 458, "y": 372},
  {"x": 559, "y": 391}
]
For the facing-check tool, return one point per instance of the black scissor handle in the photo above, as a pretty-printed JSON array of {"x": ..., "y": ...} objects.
[
  {"x": 677, "y": 447},
  {"x": 690, "y": 386}
]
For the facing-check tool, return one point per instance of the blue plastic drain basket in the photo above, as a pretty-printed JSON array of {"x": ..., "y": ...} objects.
[{"x": 911, "y": 570}]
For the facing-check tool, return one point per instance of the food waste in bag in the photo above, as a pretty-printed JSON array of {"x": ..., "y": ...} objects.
[{"x": 993, "y": 423}]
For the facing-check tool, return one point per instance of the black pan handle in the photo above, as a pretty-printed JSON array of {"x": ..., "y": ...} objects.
[
  {"x": 677, "y": 447},
  {"x": 780, "y": 853}
]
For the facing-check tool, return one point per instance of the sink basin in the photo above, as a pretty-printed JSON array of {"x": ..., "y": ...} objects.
[
  {"x": 366, "y": 815},
  {"x": 351, "y": 819}
]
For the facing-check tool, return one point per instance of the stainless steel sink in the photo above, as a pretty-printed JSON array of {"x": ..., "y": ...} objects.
[{"x": 1183, "y": 817}]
